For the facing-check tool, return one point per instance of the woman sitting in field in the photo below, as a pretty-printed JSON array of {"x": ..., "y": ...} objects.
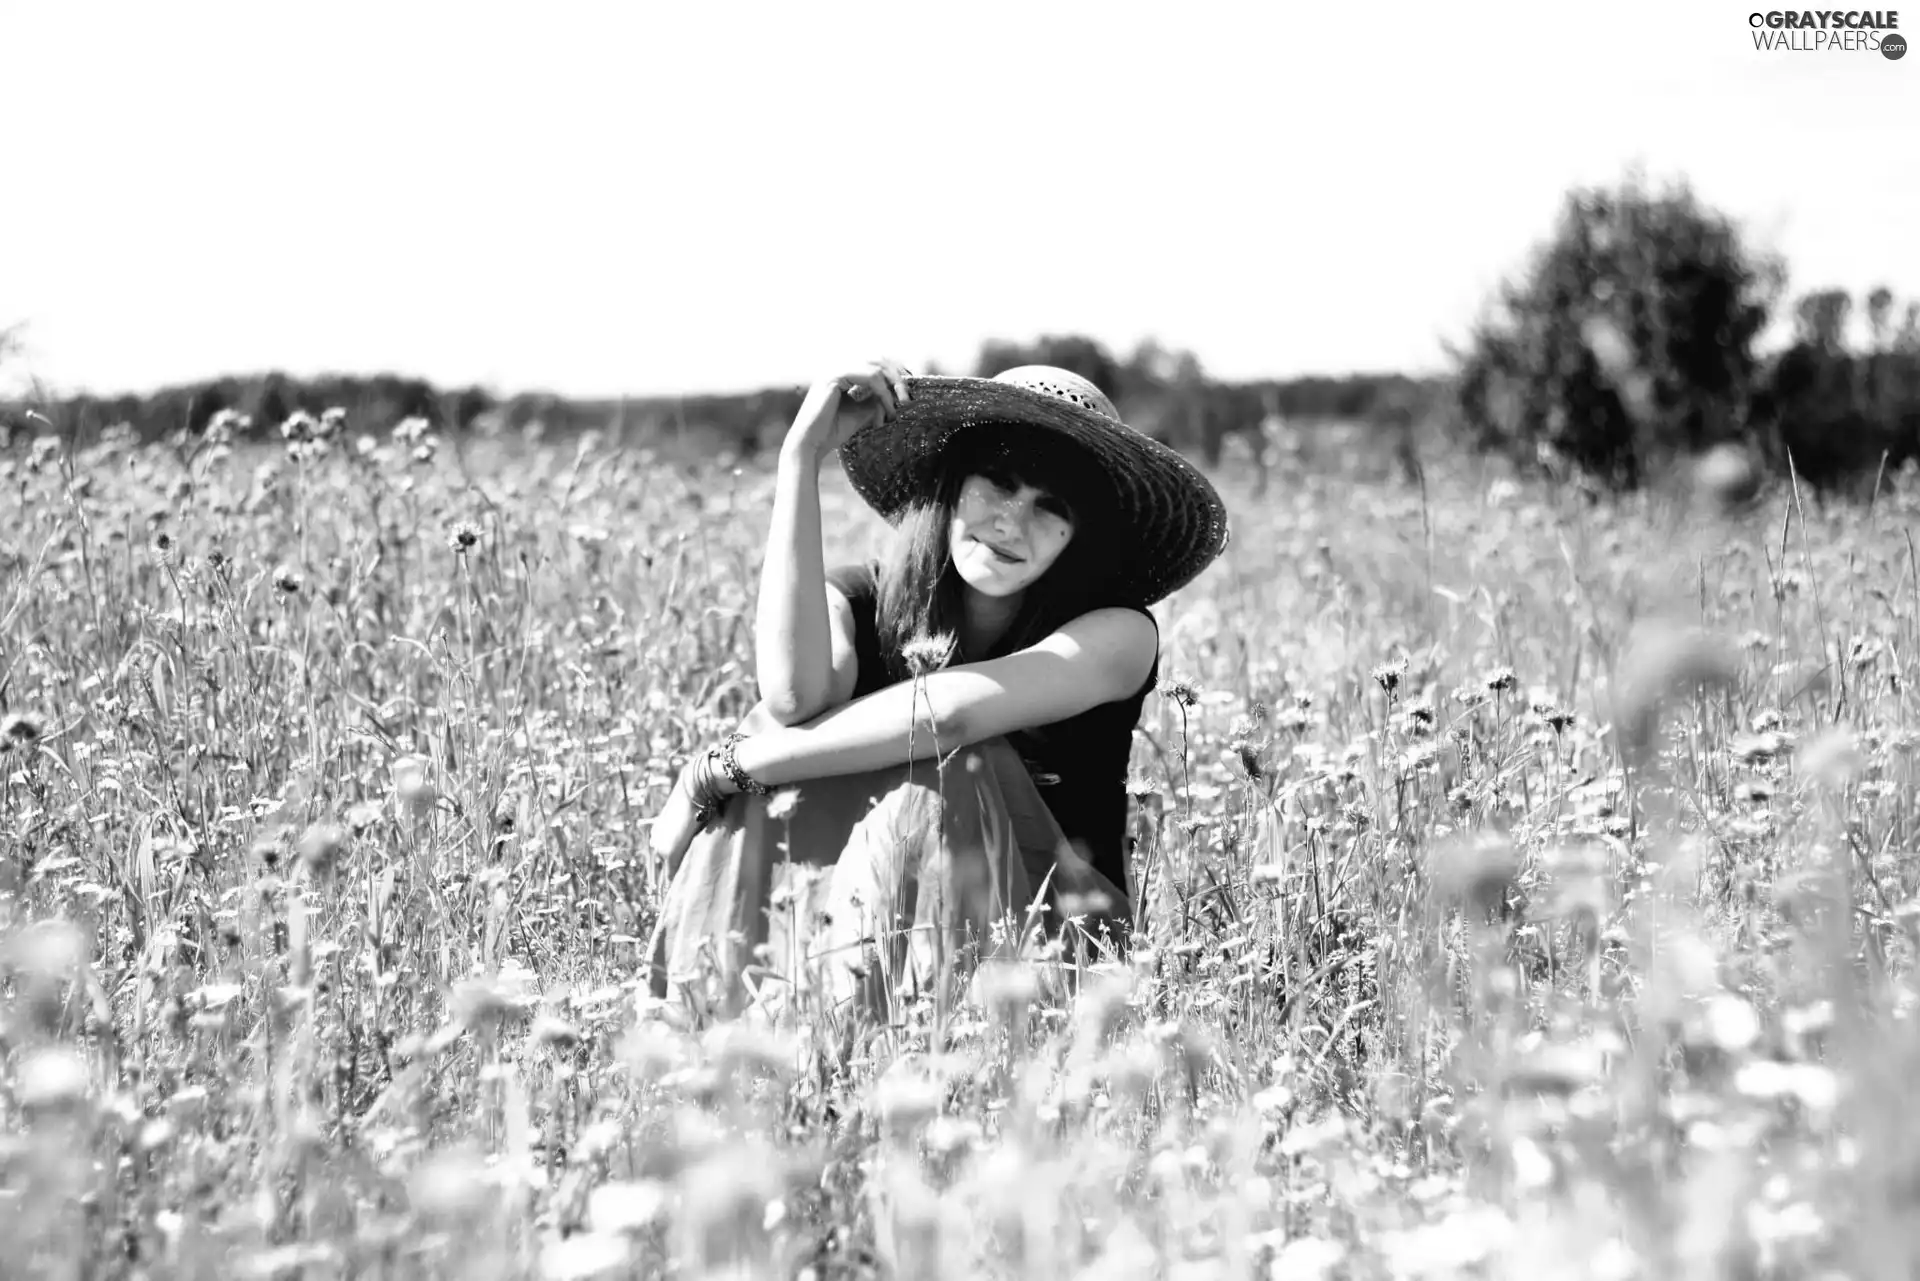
[{"x": 945, "y": 735}]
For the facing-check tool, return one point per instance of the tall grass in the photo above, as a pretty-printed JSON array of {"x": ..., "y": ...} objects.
[{"x": 1530, "y": 890}]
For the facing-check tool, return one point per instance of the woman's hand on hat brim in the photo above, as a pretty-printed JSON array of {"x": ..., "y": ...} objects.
[{"x": 841, "y": 404}]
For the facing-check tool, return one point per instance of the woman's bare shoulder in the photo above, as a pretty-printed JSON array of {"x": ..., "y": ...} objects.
[{"x": 1119, "y": 642}]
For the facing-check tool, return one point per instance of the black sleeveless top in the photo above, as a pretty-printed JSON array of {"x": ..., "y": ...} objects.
[{"x": 1079, "y": 764}]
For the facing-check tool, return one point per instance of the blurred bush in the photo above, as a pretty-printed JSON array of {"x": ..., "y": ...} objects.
[
  {"x": 1632, "y": 343},
  {"x": 1630, "y": 339}
]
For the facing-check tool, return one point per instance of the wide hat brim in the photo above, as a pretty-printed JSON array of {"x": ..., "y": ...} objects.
[{"x": 1170, "y": 521}]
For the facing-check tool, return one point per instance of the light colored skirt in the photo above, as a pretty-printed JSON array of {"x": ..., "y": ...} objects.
[{"x": 869, "y": 890}]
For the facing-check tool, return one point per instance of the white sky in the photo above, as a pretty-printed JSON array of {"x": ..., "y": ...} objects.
[{"x": 652, "y": 197}]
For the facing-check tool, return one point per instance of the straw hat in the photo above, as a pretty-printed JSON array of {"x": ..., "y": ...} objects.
[{"x": 1170, "y": 522}]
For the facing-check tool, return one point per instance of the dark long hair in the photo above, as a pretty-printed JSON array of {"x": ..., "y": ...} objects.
[{"x": 921, "y": 594}]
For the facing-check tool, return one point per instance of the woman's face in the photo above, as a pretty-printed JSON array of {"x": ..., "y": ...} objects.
[{"x": 1006, "y": 533}]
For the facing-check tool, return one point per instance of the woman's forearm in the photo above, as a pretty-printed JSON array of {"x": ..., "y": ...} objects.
[
  {"x": 792, "y": 640},
  {"x": 888, "y": 727}
]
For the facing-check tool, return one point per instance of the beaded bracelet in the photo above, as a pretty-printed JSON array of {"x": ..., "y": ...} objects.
[
  {"x": 704, "y": 790},
  {"x": 731, "y": 762}
]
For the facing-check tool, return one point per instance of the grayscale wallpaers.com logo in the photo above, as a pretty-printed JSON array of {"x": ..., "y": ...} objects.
[{"x": 1824, "y": 30}]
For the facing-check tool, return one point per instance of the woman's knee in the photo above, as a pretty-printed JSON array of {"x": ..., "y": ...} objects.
[{"x": 955, "y": 787}]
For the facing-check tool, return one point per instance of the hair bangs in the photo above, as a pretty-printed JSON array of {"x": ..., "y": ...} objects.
[{"x": 1054, "y": 464}]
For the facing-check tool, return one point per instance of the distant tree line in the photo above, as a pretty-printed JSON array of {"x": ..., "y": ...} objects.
[
  {"x": 266, "y": 401},
  {"x": 1165, "y": 393},
  {"x": 1631, "y": 341}
]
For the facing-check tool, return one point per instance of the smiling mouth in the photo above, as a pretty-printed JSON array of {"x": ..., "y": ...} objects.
[{"x": 1004, "y": 557}]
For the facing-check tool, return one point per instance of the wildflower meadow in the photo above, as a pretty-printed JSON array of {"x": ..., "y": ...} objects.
[{"x": 1528, "y": 889}]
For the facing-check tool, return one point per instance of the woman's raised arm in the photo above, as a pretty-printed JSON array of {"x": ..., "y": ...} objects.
[
  {"x": 793, "y": 635},
  {"x": 792, "y": 642}
]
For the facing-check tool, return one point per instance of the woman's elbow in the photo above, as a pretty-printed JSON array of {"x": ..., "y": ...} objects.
[
  {"x": 950, "y": 726},
  {"x": 785, "y": 709}
]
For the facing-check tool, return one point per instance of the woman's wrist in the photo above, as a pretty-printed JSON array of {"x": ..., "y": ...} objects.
[
  {"x": 751, "y": 755},
  {"x": 803, "y": 448},
  {"x": 806, "y": 440},
  {"x": 739, "y": 777},
  {"x": 706, "y": 779}
]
